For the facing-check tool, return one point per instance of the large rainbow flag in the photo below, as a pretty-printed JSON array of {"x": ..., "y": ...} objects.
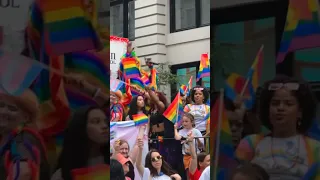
[
  {"x": 67, "y": 27},
  {"x": 302, "y": 28}
]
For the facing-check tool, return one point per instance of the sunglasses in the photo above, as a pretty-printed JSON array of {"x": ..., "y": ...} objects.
[
  {"x": 156, "y": 159},
  {"x": 289, "y": 86}
]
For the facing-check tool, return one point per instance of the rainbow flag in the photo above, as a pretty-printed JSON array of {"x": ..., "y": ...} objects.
[
  {"x": 17, "y": 72},
  {"x": 173, "y": 112},
  {"x": 204, "y": 68},
  {"x": 254, "y": 76},
  {"x": 140, "y": 119},
  {"x": 67, "y": 27},
  {"x": 126, "y": 93},
  {"x": 137, "y": 86},
  {"x": 233, "y": 87},
  {"x": 130, "y": 68},
  {"x": 154, "y": 79},
  {"x": 115, "y": 84},
  {"x": 99, "y": 172},
  {"x": 145, "y": 79},
  {"x": 183, "y": 89},
  {"x": 189, "y": 86},
  {"x": 226, "y": 150},
  {"x": 302, "y": 28}
]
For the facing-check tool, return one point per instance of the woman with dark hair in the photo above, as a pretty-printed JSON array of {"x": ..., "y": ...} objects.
[
  {"x": 116, "y": 170},
  {"x": 85, "y": 142},
  {"x": 155, "y": 167},
  {"x": 287, "y": 108},
  {"x": 199, "y": 96},
  {"x": 137, "y": 106},
  {"x": 160, "y": 126}
]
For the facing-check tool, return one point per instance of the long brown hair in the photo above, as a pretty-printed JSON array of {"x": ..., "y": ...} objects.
[
  {"x": 252, "y": 171},
  {"x": 165, "y": 168}
]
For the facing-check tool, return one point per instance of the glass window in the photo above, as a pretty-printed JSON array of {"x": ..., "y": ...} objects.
[
  {"x": 131, "y": 19},
  {"x": 205, "y": 12},
  {"x": 185, "y": 74},
  {"x": 185, "y": 14},
  {"x": 206, "y": 82},
  {"x": 116, "y": 20}
]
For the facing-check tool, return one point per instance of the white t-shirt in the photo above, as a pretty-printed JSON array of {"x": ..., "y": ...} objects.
[
  {"x": 196, "y": 133},
  {"x": 199, "y": 112},
  {"x": 205, "y": 174},
  {"x": 146, "y": 176},
  {"x": 282, "y": 158}
]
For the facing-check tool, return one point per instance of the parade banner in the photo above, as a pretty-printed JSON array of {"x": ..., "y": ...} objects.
[
  {"x": 127, "y": 130},
  {"x": 118, "y": 47}
]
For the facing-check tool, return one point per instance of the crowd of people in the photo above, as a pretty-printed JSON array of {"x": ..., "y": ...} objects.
[
  {"x": 184, "y": 143},
  {"x": 271, "y": 141}
]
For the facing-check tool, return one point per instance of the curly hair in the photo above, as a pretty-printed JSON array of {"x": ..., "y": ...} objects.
[
  {"x": 204, "y": 91},
  {"x": 305, "y": 98}
]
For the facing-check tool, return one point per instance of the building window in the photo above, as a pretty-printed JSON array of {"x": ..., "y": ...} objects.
[
  {"x": 188, "y": 14},
  {"x": 122, "y": 18},
  {"x": 103, "y": 13}
]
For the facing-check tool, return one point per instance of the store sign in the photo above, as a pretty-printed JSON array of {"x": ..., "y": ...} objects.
[{"x": 118, "y": 47}]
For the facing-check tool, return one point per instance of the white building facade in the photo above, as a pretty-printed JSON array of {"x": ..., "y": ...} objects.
[{"x": 173, "y": 32}]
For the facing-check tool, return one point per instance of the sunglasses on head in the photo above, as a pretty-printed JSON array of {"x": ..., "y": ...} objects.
[
  {"x": 156, "y": 159},
  {"x": 196, "y": 89},
  {"x": 289, "y": 86}
]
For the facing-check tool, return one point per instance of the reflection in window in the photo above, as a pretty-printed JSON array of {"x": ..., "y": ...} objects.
[
  {"x": 206, "y": 82},
  {"x": 205, "y": 12},
  {"x": 237, "y": 44},
  {"x": 131, "y": 20},
  {"x": 184, "y": 76},
  {"x": 116, "y": 20},
  {"x": 185, "y": 14}
]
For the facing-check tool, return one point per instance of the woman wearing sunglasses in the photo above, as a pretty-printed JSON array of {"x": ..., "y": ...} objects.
[
  {"x": 287, "y": 109},
  {"x": 155, "y": 167}
]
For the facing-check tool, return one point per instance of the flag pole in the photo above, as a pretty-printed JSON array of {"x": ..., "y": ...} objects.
[
  {"x": 248, "y": 78},
  {"x": 216, "y": 157},
  {"x": 178, "y": 108}
]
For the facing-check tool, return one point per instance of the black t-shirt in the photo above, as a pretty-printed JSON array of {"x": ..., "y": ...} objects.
[
  {"x": 157, "y": 118},
  {"x": 130, "y": 174}
]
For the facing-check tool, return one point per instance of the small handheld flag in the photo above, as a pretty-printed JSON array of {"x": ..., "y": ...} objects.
[
  {"x": 204, "y": 68},
  {"x": 115, "y": 85},
  {"x": 174, "y": 112},
  {"x": 140, "y": 119}
]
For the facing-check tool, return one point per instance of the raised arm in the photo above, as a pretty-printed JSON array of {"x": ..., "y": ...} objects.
[
  {"x": 135, "y": 150},
  {"x": 139, "y": 157},
  {"x": 194, "y": 161},
  {"x": 177, "y": 136},
  {"x": 154, "y": 98}
]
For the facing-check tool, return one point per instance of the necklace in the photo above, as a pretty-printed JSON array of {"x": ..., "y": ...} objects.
[{"x": 295, "y": 158}]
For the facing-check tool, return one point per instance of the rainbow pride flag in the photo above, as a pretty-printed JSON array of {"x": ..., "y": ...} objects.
[
  {"x": 233, "y": 87},
  {"x": 302, "y": 28},
  {"x": 115, "y": 84},
  {"x": 17, "y": 72},
  {"x": 67, "y": 27},
  {"x": 204, "y": 68},
  {"x": 183, "y": 89},
  {"x": 154, "y": 79},
  {"x": 254, "y": 76},
  {"x": 145, "y": 78},
  {"x": 130, "y": 68},
  {"x": 137, "y": 86},
  {"x": 174, "y": 111},
  {"x": 226, "y": 150},
  {"x": 140, "y": 119},
  {"x": 99, "y": 172}
]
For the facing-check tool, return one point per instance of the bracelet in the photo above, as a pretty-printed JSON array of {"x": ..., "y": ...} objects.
[{"x": 96, "y": 93}]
